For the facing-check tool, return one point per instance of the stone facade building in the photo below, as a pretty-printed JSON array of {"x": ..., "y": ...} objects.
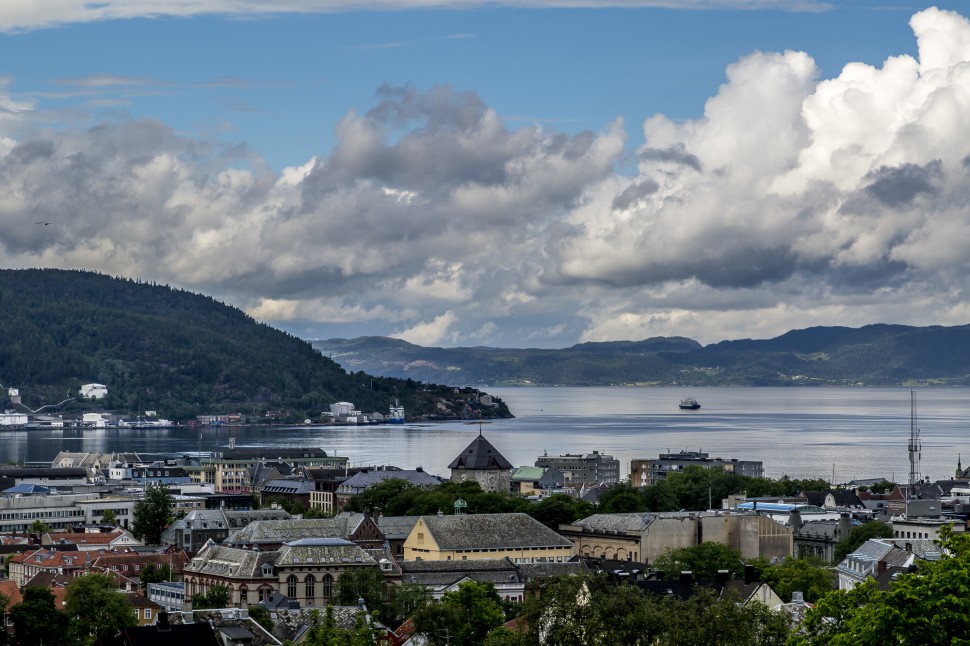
[
  {"x": 482, "y": 462},
  {"x": 644, "y": 537},
  {"x": 305, "y": 570}
]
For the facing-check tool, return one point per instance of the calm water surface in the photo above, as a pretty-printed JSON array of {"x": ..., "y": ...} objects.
[{"x": 802, "y": 432}]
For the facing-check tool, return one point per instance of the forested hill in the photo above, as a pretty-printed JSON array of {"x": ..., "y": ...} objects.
[
  {"x": 164, "y": 349},
  {"x": 870, "y": 355}
]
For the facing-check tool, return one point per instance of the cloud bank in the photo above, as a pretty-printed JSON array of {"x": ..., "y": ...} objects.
[
  {"x": 24, "y": 15},
  {"x": 793, "y": 201}
]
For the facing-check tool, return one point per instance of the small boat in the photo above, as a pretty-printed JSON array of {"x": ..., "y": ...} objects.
[{"x": 689, "y": 404}]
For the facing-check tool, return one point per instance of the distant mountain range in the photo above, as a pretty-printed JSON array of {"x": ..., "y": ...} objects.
[{"x": 874, "y": 355}]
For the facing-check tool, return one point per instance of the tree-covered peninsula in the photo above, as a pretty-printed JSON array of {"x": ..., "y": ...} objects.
[{"x": 180, "y": 354}]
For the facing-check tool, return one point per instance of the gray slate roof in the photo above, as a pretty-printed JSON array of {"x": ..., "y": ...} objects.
[
  {"x": 282, "y": 531},
  {"x": 480, "y": 454},
  {"x": 396, "y": 527},
  {"x": 631, "y": 522},
  {"x": 446, "y": 573},
  {"x": 491, "y": 531},
  {"x": 361, "y": 481}
]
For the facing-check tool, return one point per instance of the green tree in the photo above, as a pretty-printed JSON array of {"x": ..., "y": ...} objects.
[
  {"x": 216, "y": 597},
  {"x": 153, "y": 513},
  {"x": 859, "y": 535},
  {"x": 152, "y": 573},
  {"x": 462, "y": 617},
  {"x": 809, "y": 576},
  {"x": 325, "y": 633},
  {"x": 929, "y": 606},
  {"x": 622, "y": 498},
  {"x": 261, "y": 616},
  {"x": 559, "y": 509},
  {"x": 36, "y": 620},
  {"x": 704, "y": 560},
  {"x": 39, "y": 527},
  {"x": 375, "y": 499},
  {"x": 109, "y": 518},
  {"x": 97, "y": 608},
  {"x": 365, "y": 583},
  {"x": 406, "y": 599}
]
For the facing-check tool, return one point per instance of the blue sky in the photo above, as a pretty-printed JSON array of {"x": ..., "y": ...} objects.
[{"x": 503, "y": 173}]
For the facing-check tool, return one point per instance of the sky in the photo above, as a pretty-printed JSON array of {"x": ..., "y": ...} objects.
[{"x": 510, "y": 173}]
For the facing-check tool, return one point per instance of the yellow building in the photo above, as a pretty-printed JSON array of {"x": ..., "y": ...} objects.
[{"x": 518, "y": 537}]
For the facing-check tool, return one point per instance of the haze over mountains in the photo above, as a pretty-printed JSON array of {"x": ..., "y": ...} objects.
[{"x": 874, "y": 355}]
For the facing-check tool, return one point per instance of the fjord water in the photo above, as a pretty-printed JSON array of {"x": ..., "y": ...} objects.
[{"x": 801, "y": 432}]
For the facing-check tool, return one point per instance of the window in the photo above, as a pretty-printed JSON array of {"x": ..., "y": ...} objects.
[
  {"x": 148, "y": 613},
  {"x": 243, "y": 595},
  {"x": 327, "y": 586},
  {"x": 291, "y": 586},
  {"x": 311, "y": 583}
]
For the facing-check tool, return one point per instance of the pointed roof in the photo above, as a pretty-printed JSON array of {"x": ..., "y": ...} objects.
[{"x": 480, "y": 454}]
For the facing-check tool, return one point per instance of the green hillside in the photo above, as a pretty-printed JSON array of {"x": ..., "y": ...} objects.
[
  {"x": 182, "y": 354},
  {"x": 871, "y": 355}
]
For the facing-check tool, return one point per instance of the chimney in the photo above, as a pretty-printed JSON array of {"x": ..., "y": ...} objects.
[
  {"x": 795, "y": 519},
  {"x": 845, "y": 525},
  {"x": 749, "y": 574},
  {"x": 723, "y": 576},
  {"x": 161, "y": 622},
  {"x": 686, "y": 576},
  {"x": 881, "y": 567}
]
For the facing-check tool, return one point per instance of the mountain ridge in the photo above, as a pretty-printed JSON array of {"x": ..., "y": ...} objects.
[{"x": 877, "y": 354}]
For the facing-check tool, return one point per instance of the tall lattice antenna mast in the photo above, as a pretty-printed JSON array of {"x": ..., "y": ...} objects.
[{"x": 915, "y": 447}]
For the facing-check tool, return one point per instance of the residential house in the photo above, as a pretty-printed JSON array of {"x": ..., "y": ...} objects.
[
  {"x": 126, "y": 562},
  {"x": 286, "y": 492},
  {"x": 441, "y": 577},
  {"x": 91, "y": 541},
  {"x": 516, "y": 536},
  {"x": 877, "y": 555},
  {"x": 530, "y": 481},
  {"x": 367, "y": 478},
  {"x": 144, "y": 609}
]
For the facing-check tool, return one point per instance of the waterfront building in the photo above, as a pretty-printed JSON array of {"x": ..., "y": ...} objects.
[
  {"x": 647, "y": 472},
  {"x": 583, "y": 469},
  {"x": 93, "y": 391},
  {"x": 644, "y": 537},
  {"x": 482, "y": 463},
  {"x": 516, "y": 536}
]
